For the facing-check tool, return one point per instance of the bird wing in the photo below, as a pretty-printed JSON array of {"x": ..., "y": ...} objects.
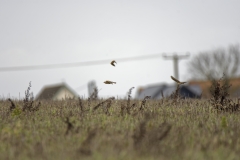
[
  {"x": 175, "y": 79},
  {"x": 112, "y": 63}
]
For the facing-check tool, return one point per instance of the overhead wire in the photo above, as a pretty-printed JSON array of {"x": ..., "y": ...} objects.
[{"x": 77, "y": 64}]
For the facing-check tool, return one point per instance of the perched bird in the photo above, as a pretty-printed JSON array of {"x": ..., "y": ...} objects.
[
  {"x": 178, "y": 82},
  {"x": 109, "y": 82},
  {"x": 112, "y": 63}
]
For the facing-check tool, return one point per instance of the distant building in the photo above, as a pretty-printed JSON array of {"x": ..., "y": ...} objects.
[
  {"x": 234, "y": 90},
  {"x": 56, "y": 92},
  {"x": 158, "y": 90}
]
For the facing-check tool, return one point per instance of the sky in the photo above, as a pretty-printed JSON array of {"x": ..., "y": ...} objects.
[{"x": 59, "y": 31}]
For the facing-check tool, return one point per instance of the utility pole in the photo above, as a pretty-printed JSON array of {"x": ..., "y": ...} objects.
[{"x": 175, "y": 59}]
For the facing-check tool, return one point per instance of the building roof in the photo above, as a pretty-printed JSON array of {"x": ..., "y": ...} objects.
[
  {"x": 153, "y": 90},
  {"x": 156, "y": 91},
  {"x": 234, "y": 90},
  {"x": 49, "y": 91}
]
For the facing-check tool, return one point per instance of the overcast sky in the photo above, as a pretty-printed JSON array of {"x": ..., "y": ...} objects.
[{"x": 57, "y": 31}]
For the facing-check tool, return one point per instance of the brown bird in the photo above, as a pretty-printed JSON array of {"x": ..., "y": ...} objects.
[
  {"x": 109, "y": 82},
  {"x": 112, "y": 63},
  {"x": 178, "y": 82}
]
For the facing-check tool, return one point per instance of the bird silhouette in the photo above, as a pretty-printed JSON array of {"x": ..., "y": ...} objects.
[
  {"x": 112, "y": 63},
  {"x": 109, "y": 82},
  {"x": 178, "y": 82}
]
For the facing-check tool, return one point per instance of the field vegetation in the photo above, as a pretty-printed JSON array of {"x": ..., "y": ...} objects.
[{"x": 102, "y": 129}]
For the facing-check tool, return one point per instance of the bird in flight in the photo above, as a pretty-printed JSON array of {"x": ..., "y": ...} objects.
[
  {"x": 112, "y": 63},
  {"x": 109, "y": 82},
  {"x": 178, "y": 82}
]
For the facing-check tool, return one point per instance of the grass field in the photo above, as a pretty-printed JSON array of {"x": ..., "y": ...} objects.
[{"x": 118, "y": 129}]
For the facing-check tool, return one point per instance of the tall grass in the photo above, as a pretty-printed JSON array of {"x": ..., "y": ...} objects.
[{"x": 119, "y": 129}]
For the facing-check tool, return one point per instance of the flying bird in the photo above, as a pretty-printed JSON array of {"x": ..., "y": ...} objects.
[
  {"x": 178, "y": 82},
  {"x": 112, "y": 63},
  {"x": 109, "y": 82}
]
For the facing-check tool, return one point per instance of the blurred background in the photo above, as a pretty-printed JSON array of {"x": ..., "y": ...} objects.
[{"x": 141, "y": 35}]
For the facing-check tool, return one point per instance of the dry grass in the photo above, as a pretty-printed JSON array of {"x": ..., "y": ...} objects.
[
  {"x": 220, "y": 97},
  {"x": 164, "y": 131},
  {"x": 119, "y": 129}
]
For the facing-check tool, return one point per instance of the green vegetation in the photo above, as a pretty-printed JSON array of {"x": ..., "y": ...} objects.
[{"x": 120, "y": 129}]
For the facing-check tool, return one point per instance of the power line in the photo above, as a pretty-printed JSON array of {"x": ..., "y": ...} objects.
[{"x": 77, "y": 64}]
